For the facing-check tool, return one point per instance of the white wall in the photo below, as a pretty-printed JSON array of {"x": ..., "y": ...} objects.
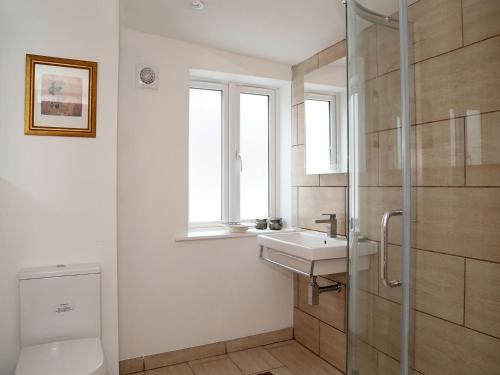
[
  {"x": 57, "y": 194},
  {"x": 181, "y": 294}
]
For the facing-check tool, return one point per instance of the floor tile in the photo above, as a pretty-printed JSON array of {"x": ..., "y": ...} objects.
[
  {"x": 302, "y": 361},
  {"x": 279, "y": 344},
  {"x": 182, "y": 369},
  {"x": 183, "y": 355},
  {"x": 221, "y": 365},
  {"x": 281, "y": 371},
  {"x": 254, "y": 360}
]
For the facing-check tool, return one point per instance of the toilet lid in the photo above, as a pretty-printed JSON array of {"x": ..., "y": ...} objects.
[{"x": 70, "y": 357}]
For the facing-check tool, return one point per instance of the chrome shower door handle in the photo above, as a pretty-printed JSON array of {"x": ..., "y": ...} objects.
[{"x": 384, "y": 241}]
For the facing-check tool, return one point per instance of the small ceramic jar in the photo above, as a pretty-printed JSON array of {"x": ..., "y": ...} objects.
[
  {"x": 261, "y": 224},
  {"x": 275, "y": 223}
]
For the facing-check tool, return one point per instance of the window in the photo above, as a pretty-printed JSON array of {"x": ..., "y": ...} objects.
[
  {"x": 231, "y": 153},
  {"x": 320, "y": 133},
  {"x": 205, "y": 154}
]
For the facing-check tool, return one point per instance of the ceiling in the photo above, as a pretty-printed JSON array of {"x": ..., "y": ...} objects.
[{"x": 287, "y": 31}]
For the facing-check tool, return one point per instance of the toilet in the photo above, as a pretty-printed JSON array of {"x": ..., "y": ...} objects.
[{"x": 61, "y": 321}]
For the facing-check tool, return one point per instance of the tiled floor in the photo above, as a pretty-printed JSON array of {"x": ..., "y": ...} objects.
[{"x": 284, "y": 358}]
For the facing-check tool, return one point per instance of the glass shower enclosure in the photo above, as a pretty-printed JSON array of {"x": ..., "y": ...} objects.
[{"x": 424, "y": 190}]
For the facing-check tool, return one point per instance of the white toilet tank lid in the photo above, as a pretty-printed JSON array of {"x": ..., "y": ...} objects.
[
  {"x": 70, "y": 357},
  {"x": 59, "y": 270}
]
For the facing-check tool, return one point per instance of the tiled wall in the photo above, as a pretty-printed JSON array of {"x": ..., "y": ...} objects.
[
  {"x": 456, "y": 178},
  {"x": 456, "y": 196},
  {"x": 320, "y": 328}
]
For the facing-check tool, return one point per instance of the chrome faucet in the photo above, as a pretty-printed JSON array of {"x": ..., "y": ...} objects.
[{"x": 331, "y": 224}]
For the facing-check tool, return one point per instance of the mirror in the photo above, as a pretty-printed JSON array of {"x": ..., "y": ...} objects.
[{"x": 325, "y": 111}]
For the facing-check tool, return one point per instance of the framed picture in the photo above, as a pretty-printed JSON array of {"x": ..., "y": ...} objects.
[{"x": 60, "y": 97}]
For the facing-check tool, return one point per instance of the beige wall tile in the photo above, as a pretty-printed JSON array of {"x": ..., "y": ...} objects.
[
  {"x": 299, "y": 178},
  {"x": 440, "y": 153},
  {"x": 390, "y": 158},
  {"x": 368, "y": 160},
  {"x": 482, "y": 297},
  {"x": 389, "y": 366},
  {"x": 331, "y": 307},
  {"x": 389, "y": 99},
  {"x": 386, "y": 326},
  {"x": 449, "y": 85},
  {"x": 366, "y": 53},
  {"x": 306, "y": 66},
  {"x": 129, "y": 366},
  {"x": 306, "y": 330},
  {"x": 459, "y": 221},
  {"x": 301, "y": 361},
  {"x": 300, "y": 123},
  {"x": 294, "y": 124},
  {"x": 215, "y": 366},
  {"x": 483, "y": 151},
  {"x": 387, "y": 49},
  {"x": 256, "y": 360},
  {"x": 386, "y": 365},
  {"x": 446, "y": 348},
  {"x": 378, "y": 325},
  {"x": 480, "y": 19},
  {"x": 365, "y": 317},
  {"x": 183, "y": 355},
  {"x": 369, "y": 113},
  {"x": 374, "y": 202},
  {"x": 333, "y": 179},
  {"x": 182, "y": 369},
  {"x": 259, "y": 340},
  {"x": 438, "y": 281},
  {"x": 295, "y": 290},
  {"x": 365, "y": 358},
  {"x": 298, "y": 90},
  {"x": 368, "y": 280},
  {"x": 332, "y": 53},
  {"x": 295, "y": 206},
  {"x": 315, "y": 201},
  {"x": 440, "y": 285},
  {"x": 437, "y": 27},
  {"x": 333, "y": 346}
]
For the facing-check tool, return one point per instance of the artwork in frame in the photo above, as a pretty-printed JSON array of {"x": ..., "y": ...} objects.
[{"x": 60, "y": 97}]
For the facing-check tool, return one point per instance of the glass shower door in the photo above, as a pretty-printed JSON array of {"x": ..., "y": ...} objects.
[{"x": 379, "y": 193}]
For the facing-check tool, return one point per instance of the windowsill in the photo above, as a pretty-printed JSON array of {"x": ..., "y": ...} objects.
[{"x": 219, "y": 233}]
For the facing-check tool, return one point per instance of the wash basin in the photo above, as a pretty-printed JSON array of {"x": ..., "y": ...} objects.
[
  {"x": 311, "y": 253},
  {"x": 306, "y": 245}
]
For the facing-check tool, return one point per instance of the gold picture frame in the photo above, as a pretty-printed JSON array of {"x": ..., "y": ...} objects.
[{"x": 60, "y": 97}]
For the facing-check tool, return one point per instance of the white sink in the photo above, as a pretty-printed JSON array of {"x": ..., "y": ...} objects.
[
  {"x": 306, "y": 245},
  {"x": 310, "y": 253}
]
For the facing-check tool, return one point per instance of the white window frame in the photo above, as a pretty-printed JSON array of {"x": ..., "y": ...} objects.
[
  {"x": 232, "y": 163},
  {"x": 335, "y": 125}
]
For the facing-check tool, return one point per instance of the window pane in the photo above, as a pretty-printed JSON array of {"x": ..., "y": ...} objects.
[
  {"x": 317, "y": 136},
  {"x": 205, "y": 155},
  {"x": 254, "y": 149}
]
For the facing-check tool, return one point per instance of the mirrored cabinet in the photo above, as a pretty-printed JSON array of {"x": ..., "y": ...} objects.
[{"x": 325, "y": 119}]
